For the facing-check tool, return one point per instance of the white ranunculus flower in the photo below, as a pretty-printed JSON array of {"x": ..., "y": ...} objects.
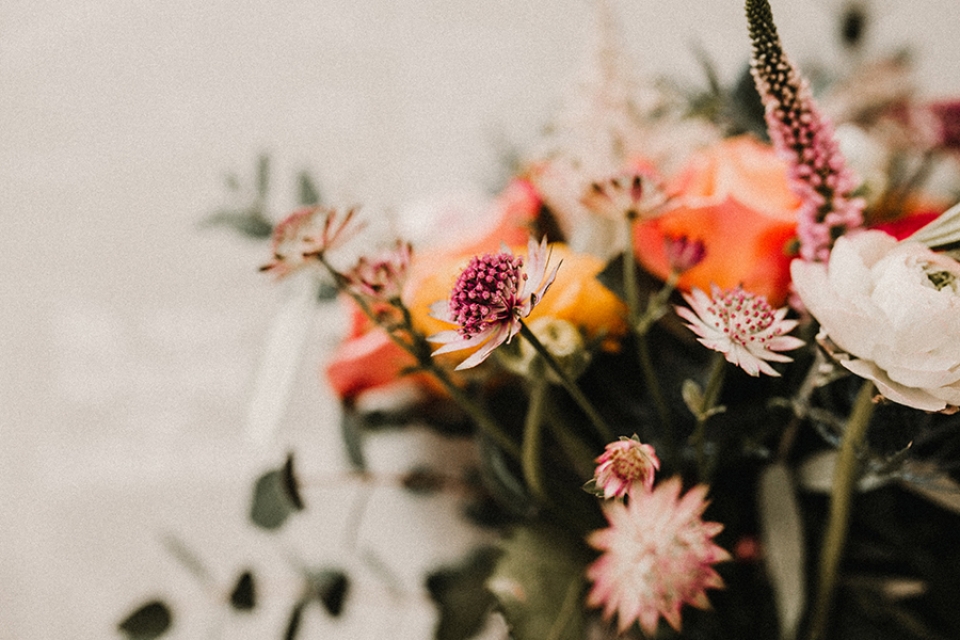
[{"x": 894, "y": 307}]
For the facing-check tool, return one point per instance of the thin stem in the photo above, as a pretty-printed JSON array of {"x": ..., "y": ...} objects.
[
  {"x": 845, "y": 476},
  {"x": 640, "y": 323},
  {"x": 631, "y": 289},
  {"x": 419, "y": 349},
  {"x": 532, "y": 440},
  {"x": 710, "y": 397},
  {"x": 568, "y": 383},
  {"x": 577, "y": 451}
]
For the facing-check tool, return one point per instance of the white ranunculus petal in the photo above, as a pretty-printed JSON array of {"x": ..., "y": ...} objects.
[
  {"x": 876, "y": 301},
  {"x": 852, "y": 260},
  {"x": 909, "y": 396}
]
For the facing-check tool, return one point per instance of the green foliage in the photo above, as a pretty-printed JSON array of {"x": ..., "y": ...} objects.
[
  {"x": 309, "y": 195},
  {"x": 244, "y": 594},
  {"x": 149, "y": 621},
  {"x": 539, "y": 583},
  {"x": 251, "y": 219},
  {"x": 275, "y": 497},
  {"x": 329, "y": 587},
  {"x": 462, "y": 596}
]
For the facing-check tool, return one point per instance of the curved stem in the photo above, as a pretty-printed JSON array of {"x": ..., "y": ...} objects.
[
  {"x": 568, "y": 383},
  {"x": 630, "y": 288},
  {"x": 418, "y": 348},
  {"x": 532, "y": 439},
  {"x": 845, "y": 476}
]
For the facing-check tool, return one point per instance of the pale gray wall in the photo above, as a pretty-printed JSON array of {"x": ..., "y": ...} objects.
[{"x": 130, "y": 339}]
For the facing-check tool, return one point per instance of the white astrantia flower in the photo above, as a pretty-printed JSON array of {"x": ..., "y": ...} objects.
[
  {"x": 894, "y": 308},
  {"x": 742, "y": 326}
]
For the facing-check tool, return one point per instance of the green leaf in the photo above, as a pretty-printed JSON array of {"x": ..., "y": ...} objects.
[
  {"x": 275, "y": 497},
  {"x": 782, "y": 534},
  {"x": 308, "y": 191},
  {"x": 263, "y": 176},
  {"x": 461, "y": 595},
  {"x": 243, "y": 597},
  {"x": 692, "y": 396},
  {"x": 352, "y": 432},
  {"x": 248, "y": 222},
  {"x": 151, "y": 620},
  {"x": 539, "y": 583},
  {"x": 330, "y": 588}
]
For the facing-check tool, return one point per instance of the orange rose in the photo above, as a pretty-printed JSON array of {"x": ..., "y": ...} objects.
[{"x": 734, "y": 197}]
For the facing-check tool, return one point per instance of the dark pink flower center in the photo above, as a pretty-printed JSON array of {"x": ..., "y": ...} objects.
[
  {"x": 486, "y": 292},
  {"x": 743, "y": 316}
]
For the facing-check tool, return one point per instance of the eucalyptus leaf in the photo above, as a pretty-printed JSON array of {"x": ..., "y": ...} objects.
[
  {"x": 782, "y": 535},
  {"x": 275, "y": 497},
  {"x": 461, "y": 595},
  {"x": 539, "y": 584},
  {"x": 147, "y": 622},
  {"x": 330, "y": 588},
  {"x": 263, "y": 176},
  {"x": 309, "y": 195},
  {"x": 244, "y": 595},
  {"x": 248, "y": 222}
]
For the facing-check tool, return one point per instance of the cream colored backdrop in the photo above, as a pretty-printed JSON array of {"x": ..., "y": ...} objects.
[{"x": 130, "y": 338}]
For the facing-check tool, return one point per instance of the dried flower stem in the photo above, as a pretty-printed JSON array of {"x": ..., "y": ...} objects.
[
  {"x": 601, "y": 426},
  {"x": 418, "y": 347},
  {"x": 845, "y": 476}
]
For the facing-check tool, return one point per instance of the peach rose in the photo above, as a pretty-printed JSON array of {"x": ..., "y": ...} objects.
[{"x": 734, "y": 197}]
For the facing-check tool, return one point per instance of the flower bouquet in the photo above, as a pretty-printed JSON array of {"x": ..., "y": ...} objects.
[{"x": 707, "y": 346}]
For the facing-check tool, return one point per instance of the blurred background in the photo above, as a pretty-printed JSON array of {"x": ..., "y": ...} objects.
[{"x": 132, "y": 335}]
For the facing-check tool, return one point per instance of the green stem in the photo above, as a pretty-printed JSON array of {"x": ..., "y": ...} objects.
[
  {"x": 568, "y": 383},
  {"x": 640, "y": 325},
  {"x": 532, "y": 440},
  {"x": 420, "y": 350},
  {"x": 631, "y": 289},
  {"x": 845, "y": 476},
  {"x": 576, "y": 450},
  {"x": 710, "y": 397}
]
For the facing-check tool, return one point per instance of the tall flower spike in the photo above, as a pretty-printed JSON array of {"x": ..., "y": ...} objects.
[
  {"x": 804, "y": 138},
  {"x": 490, "y": 299}
]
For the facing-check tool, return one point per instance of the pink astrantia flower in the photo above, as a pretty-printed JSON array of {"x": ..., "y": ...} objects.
[
  {"x": 658, "y": 554},
  {"x": 490, "y": 299},
  {"x": 629, "y": 195},
  {"x": 683, "y": 253},
  {"x": 742, "y": 326},
  {"x": 805, "y": 139},
  {"x": 305, "y": 235},
  {"x": 625, "y": 465},
  {"x": 381, "y": 277}
]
